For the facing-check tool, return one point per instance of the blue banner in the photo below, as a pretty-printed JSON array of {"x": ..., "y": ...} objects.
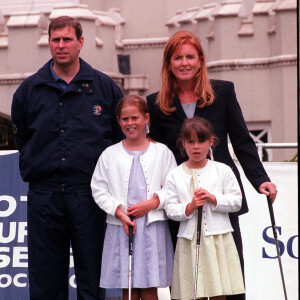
[
  {"x": 13, "y": 231},
  {"x": 13, "y": 235}
]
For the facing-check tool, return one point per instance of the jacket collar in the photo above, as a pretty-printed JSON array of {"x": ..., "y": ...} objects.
[
  {"x": 179, "y": 112},
  {"x": 44, "y": 75}
]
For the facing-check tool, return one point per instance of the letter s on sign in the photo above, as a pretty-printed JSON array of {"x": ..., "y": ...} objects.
[
  {"x": 4, "y": 259},
  {"x": 272, "y": 241},
  {"x": 289, "y": 245}
]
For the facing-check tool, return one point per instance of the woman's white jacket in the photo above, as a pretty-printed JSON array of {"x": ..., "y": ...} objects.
[
  {"x": 218, "y": 179},
  {"x": 111, "y": 177}
]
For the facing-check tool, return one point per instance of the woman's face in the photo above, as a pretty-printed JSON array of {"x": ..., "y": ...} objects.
[{"x": 185, "y": 63}]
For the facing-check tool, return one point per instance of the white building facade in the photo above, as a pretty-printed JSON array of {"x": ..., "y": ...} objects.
[{"x": 250, "y": 42}]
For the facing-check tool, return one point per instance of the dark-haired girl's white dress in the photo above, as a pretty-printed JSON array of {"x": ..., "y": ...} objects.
[{"x": 219, "y": 269}]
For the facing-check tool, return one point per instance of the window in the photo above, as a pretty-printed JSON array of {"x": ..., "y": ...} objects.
[{"x": 261, "y": 133}]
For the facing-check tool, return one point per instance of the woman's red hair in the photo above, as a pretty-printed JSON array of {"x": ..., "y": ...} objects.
[{"x": 202, "y": 87}]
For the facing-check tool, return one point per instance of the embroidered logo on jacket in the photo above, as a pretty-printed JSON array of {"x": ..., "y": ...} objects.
[{"x": 97, "y": 109}]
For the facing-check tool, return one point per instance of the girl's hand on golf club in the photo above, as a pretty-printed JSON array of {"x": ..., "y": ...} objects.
[
  {"x": 125, "y": 220},
  {"x": 269, "y": 189},
  {"x": 197, "y": 201},
  {"x": 204, "y": 194},
  {"x": 140, "y": 209},
  {"x": 126, "y": 223}
]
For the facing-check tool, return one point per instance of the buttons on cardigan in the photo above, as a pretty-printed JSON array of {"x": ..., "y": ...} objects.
[{"x": 204, "y": 218}]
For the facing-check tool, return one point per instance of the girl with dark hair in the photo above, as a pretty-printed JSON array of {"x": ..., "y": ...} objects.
[{"x": 200, "y": 182}]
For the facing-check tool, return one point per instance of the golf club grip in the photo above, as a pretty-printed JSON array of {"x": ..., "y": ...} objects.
[
  {"x": 130, "y": 228},
  {"x": 199, "y": 224},
  {"x": 272, "y": 216}
]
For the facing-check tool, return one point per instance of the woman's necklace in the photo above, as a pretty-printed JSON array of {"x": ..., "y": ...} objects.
[{"x": 187, "y": 100}]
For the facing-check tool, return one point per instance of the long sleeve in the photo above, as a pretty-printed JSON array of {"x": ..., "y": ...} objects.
[
  {"x": 175, "y": 209},
  {"x": 243, "y": 145},
  {"x": 168, "y": 163},
  {"x": 156, "y": 132},
  {"x": 100, "y": 186},
  {"x": 117, "y": 134},
  {"x": 230, "y": 199},
  {"x": 19, "y": 116}
]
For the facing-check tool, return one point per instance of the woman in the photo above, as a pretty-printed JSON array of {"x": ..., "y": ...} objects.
[{"x": 186, "y": 92}]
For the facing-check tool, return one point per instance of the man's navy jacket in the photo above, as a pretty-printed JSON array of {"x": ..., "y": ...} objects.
[{"x": 61, "y": 133}]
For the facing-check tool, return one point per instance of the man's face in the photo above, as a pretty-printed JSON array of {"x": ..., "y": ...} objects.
[{"x": 64, "y": 46}]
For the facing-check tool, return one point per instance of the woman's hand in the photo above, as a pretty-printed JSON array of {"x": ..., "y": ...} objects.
[
  {"x": 125, "y": 220},
  {"x": 269, "y": 189},
  {"x": 140, "y": 209}
]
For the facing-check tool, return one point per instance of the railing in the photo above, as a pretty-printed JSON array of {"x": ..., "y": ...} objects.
[{"x": 261, "y": 146}]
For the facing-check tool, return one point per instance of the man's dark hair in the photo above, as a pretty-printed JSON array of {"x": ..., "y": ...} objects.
[{"x": 63, "y": 21}]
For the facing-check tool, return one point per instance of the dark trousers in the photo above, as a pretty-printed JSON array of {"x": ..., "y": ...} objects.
[
  {"x": 56, "y": 220},
  {"x": 174, "y": 226},
  {"x": 239, "y": 245}
]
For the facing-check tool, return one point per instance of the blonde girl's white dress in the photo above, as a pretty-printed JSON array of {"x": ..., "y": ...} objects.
[
  {"x": 152, "y": 258},
  {"x": 219, "y": 270},
  {"x": 123, "y": 178}
]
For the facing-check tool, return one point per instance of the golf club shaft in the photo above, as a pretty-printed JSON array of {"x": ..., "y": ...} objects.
[
  {"x": 129, "y": 279},
  {"x": 276, "y": 243},
  {"x": 197, "y": 249},
  {"x": 130, "y": 228}
]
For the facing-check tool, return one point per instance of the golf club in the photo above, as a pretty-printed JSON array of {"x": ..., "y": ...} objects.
[
  {"x": 197, "y": 250},
  {"x": 130, "y": 257},
  {"x": 276, "y": 243}
]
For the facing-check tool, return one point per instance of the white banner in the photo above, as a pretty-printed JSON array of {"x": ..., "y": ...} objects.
[{"x": 263, "y": 279}]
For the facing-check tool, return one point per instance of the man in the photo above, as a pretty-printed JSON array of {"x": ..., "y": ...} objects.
[{"x": 63, "y": 118}]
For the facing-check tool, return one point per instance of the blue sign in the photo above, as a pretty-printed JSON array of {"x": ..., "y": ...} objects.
[{"x": 13, "y": 235}]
